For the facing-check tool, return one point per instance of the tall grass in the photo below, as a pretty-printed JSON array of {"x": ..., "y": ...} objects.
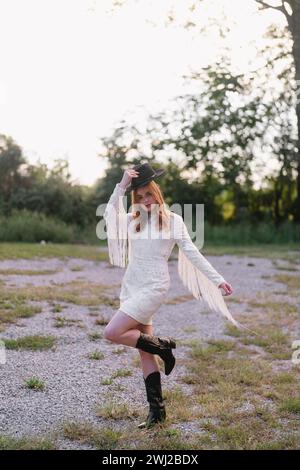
[
  {"x": 24, "y": 225},
  {"x": 247, "y": 234},
  {"x": 28, "y": 226}
]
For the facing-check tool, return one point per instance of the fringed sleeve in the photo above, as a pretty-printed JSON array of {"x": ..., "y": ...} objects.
[
  {"x": 117, "y": 219},
  {"x": 197, "y": 274}
]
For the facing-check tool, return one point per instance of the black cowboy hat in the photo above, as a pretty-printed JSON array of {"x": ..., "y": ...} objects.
[{"x": 146, "y": 174}]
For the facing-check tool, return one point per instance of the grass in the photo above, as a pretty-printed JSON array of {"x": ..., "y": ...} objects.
[
  {"x": 26, "y": 443},
  {"x": 164, "y": 438},
  {"x": 56, "y": 308},
  {"x": 14, "y": 302},
  {"x": 116, "y": 410},
  {"x": 61, "y": 322},
  {"x": 121, "y": 373},
  {"x": 34, "y": 383},
  {"x": 291, "y": 281},
  {"x": 241, "y": 391},
  {"x": 27, "y": 272},
  {"x": 263, "y": 250},
  {"x": 177, "y": 299},
  {"x": 58, "y": 250},
  {"x": 85, "y": 433},
  {"x": 96, "y": 355},
  {"x": 107, "y": 381},
  {"x": 76, "y": 268},
  {"x": 94, "y": 336},
  {"x": 33, "y": 343},
  {"x": 291, "y": 405},
  {"x": 15, "y": 250},
  {"x": 13, "y": 307},
  {"x": 110, "y": 438},
  {"x": 245, "y": 399},
  {"x": 174, "y": 398},
  {"x": 273, "y": 340},
  {"x": 276, "y": 308},
  {"x": 101, "y": 321}
]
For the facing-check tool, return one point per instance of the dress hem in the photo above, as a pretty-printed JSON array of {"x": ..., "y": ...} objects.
[{"x": 136, "y": 319}]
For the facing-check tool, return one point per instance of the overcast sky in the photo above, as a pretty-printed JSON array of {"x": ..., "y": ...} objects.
[{"x": 70, "y": 69}]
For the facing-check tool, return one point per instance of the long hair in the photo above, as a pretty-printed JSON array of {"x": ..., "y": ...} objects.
[{"x": 163, "y": 212}]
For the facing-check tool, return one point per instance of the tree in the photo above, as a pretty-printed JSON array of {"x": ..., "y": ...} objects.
[
  {"x": 11, "y": 161},
  {"x": 291, "y": 10},
  {"x": 217, "y": 130}
]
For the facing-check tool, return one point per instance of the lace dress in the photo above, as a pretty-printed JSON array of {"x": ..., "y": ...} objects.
[{"x": 145, "y": 255}]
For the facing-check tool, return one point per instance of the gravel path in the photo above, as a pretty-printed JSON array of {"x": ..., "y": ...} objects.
[{"x": 73, "y": 381}]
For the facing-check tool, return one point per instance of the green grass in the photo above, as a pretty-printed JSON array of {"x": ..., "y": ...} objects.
[
  {"x": 33, "y": 343},
  {"x": 27, "y": 272},
  {"x": 262, "y": 250},
  {"x": 34, "y": 383},
  {"x": 57, "y": 308},
  {"x": 291, "y": 405},
  {"x": 273, "y": 340},
  {"x": 26, "y": 443},
  {"x": 13, "y": 307},
  {"x": 115, "y": 410},
  {"x": 85, "y": 433},
  {"x": 291, "y": 281},
  {"x": 246, "y": 400},
  {"x": 94, "y": 336},
  {"x": 61, "y": 322},
  {"x": 96, "y": 355},
  {"x": 121, "y": 373},
  {"x": 14, "y": 250},
  {"x": 60, "y": 250},
  {"x": 13, "y": 301},
  {"x": 107, "y": 381}
]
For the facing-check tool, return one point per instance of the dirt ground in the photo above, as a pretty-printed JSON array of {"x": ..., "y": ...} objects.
[{"x": 84, "y": 392}]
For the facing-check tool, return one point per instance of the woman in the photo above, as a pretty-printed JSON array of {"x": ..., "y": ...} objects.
[{"x": 143, "y": 240}]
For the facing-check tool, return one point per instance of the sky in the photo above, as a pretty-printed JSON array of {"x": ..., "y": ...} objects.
[{"x": 72, "y": 69}]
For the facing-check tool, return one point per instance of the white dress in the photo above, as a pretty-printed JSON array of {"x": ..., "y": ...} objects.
[{"x": 145, "y": 255}]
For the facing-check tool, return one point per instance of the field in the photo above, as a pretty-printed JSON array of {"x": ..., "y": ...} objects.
[{"x": 63, "y": 386}]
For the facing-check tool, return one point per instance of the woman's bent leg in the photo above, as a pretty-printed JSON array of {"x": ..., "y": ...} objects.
[{"x": 122, "y": 329}]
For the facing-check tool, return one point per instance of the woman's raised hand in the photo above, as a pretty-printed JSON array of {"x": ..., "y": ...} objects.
[{"x": 127, "y": 177}]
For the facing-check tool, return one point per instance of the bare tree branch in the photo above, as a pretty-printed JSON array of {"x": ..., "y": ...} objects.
[
  {"x": 266, "y": 5},
  {"x": 280, "y": 8}
]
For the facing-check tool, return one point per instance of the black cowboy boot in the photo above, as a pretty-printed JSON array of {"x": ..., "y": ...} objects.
[
  {"x": 157, "y": 410},
  {"x": 160, "y": 346}
]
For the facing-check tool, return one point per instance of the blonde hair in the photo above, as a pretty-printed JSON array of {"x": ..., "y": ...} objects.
[{"x": 163, "y": 212}]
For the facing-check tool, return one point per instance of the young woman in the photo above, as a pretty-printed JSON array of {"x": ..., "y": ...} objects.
[{"x": 143, "y": 240}]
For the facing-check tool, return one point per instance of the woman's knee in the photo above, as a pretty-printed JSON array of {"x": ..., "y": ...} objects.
[{"x": 110, "y": 333}]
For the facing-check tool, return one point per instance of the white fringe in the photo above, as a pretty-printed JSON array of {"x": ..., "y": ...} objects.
[
  {"x": 201, "y": 287},
  {"x": 117, "y": 238}
]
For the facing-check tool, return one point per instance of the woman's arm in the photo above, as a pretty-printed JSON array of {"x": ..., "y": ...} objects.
[
  {"x": 114, "y": 207},
  {"x": 117, "y": 220},
  {"x": 186, "y": 244},
  {"x": 115, "y": 203}
]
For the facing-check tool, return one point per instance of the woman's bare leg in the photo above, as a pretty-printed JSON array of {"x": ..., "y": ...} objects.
[{"x": 123, "y": 329}]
